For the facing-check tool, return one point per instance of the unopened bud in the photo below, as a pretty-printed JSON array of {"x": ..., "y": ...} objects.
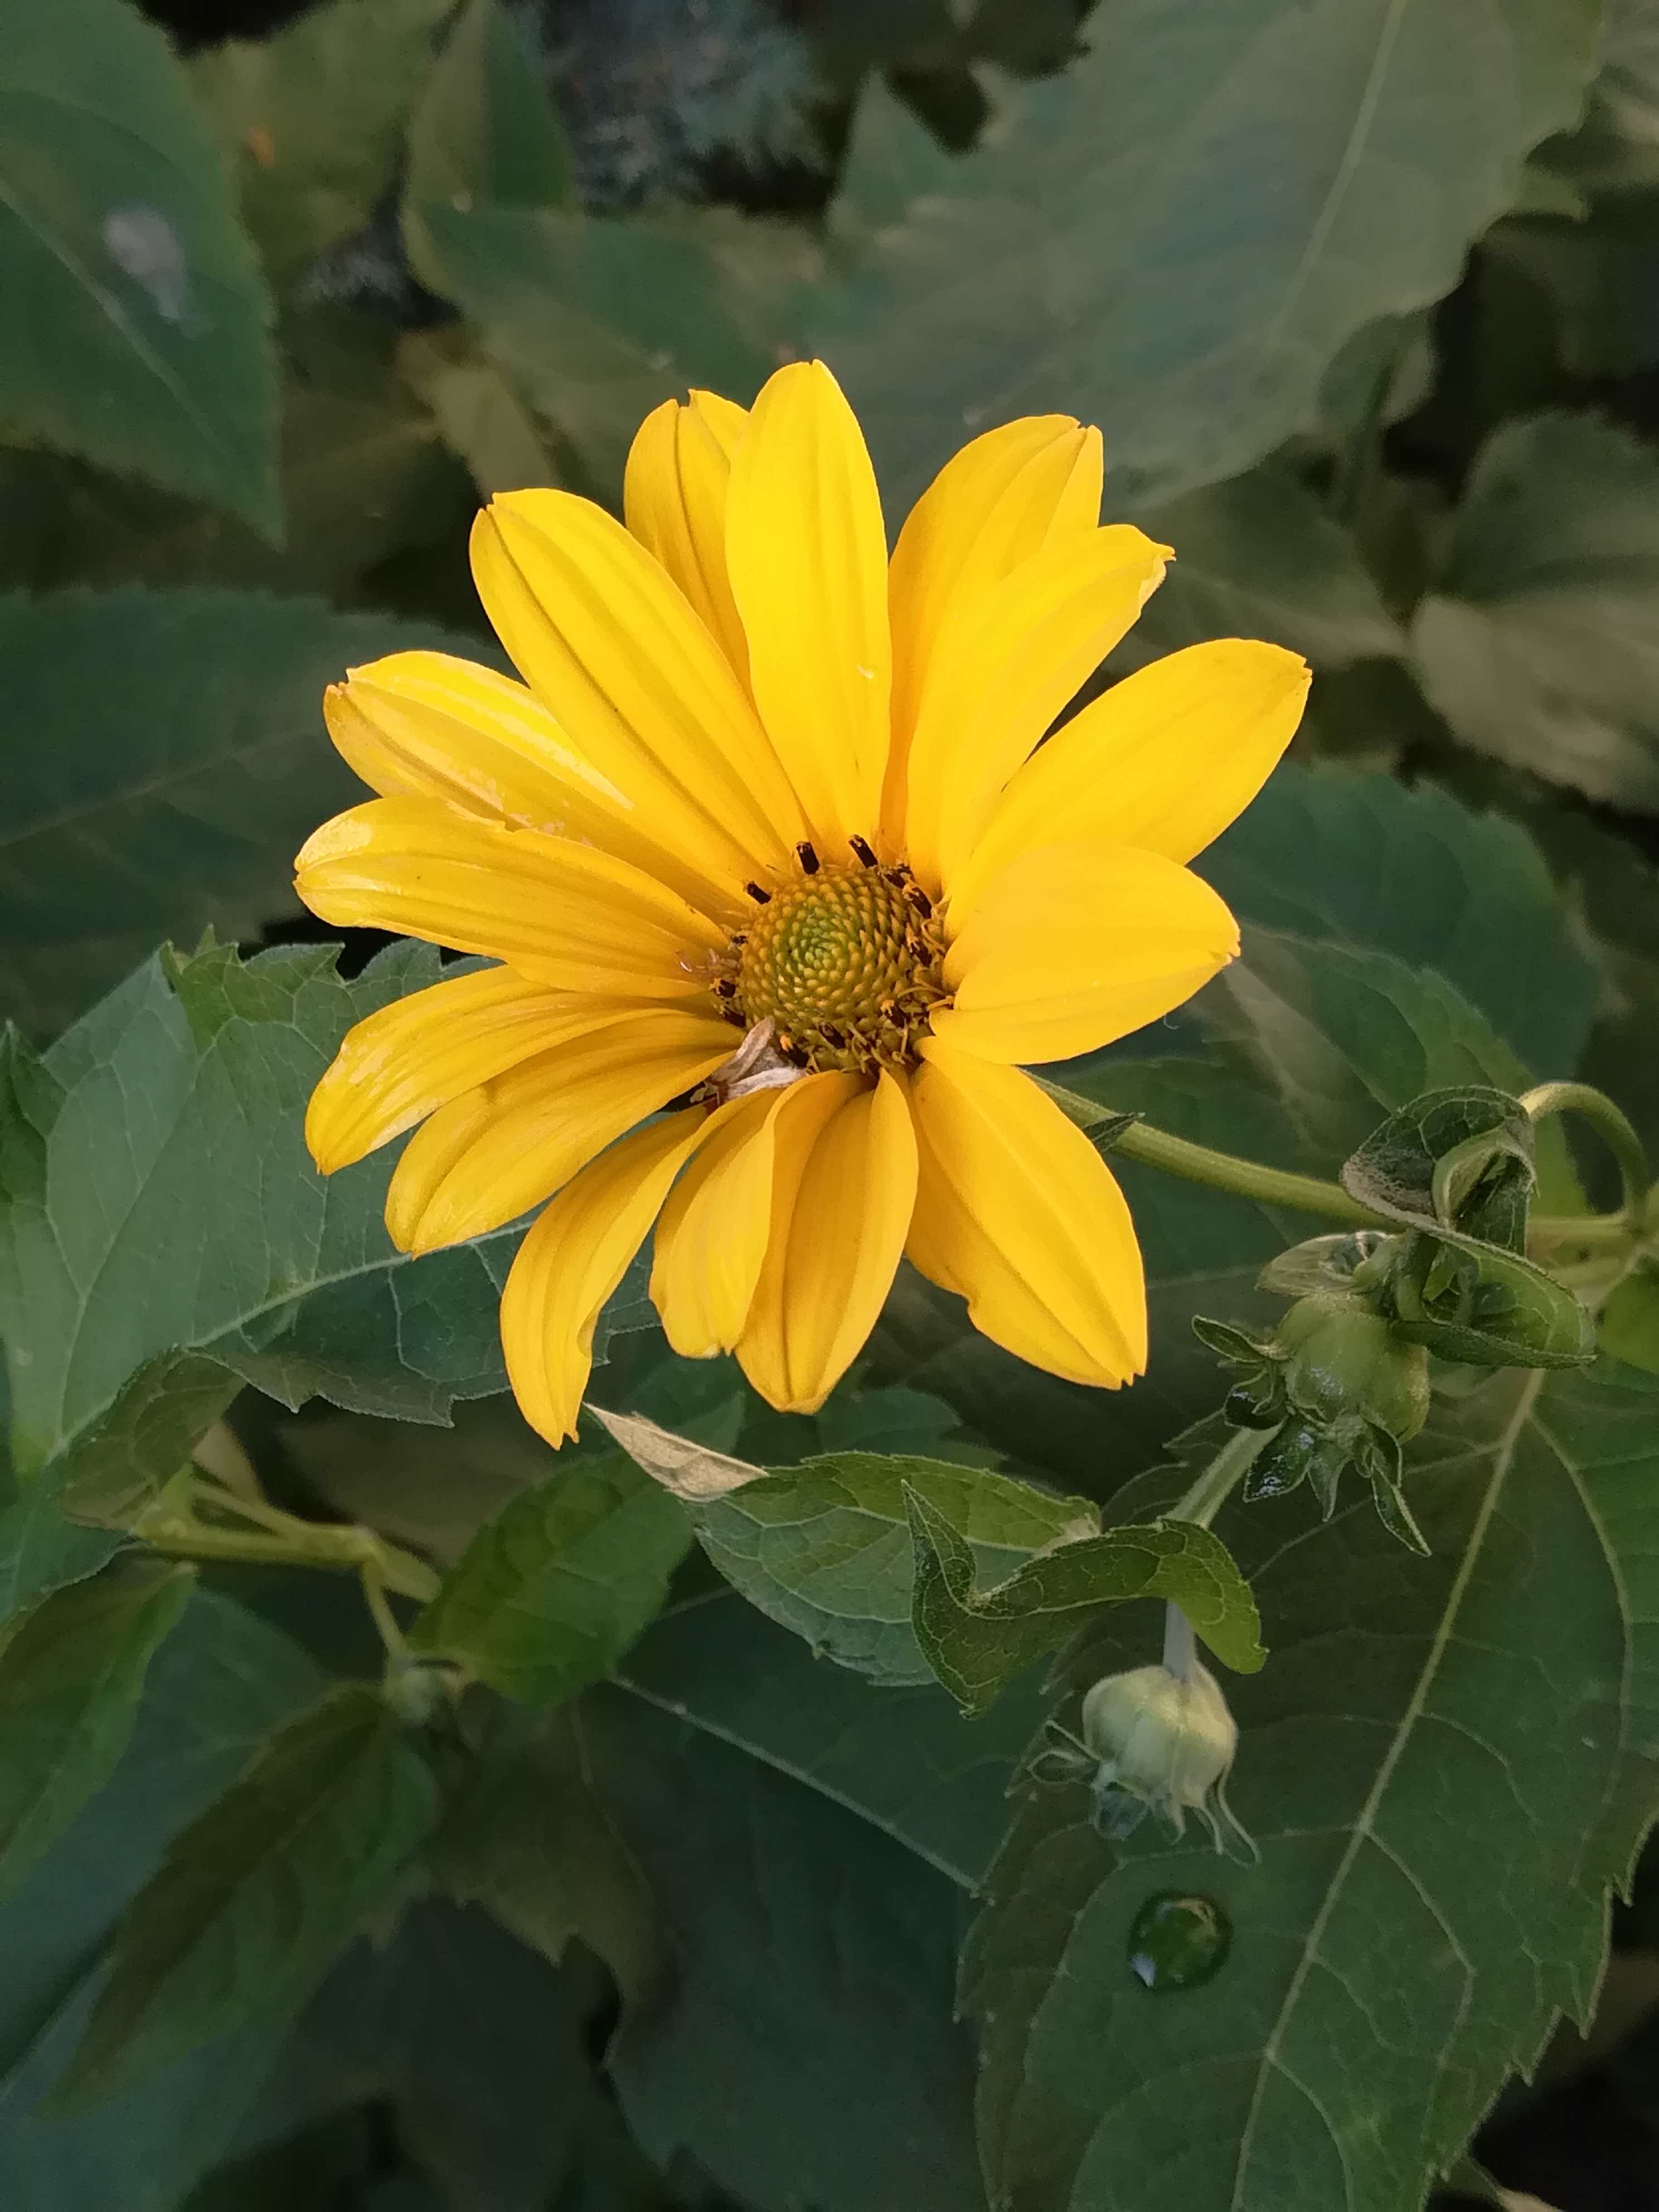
[
  {"x": 1342, "y": 1360},
  {"x": 1153, "y": 1741}
]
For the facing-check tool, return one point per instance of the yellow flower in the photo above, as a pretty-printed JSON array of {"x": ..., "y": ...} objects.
[{"x": 766, "y": 839}]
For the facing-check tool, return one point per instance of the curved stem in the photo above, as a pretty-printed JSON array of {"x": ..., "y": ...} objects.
[
  {"x": 278, "y": 1540},
  {"x": 1620, "y": 1138},
  {"x": 1228, "y": 1468},
  {"x": 1157, "y": 1148}
]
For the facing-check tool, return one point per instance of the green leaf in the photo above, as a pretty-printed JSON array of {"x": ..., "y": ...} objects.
[
  {"x": 164, "y": 758},
  {"x": 905, "y": 1760},
  {"x": 1118, "y": 248},
  {"x": 1364, "y": 860},
  {"x": 486, "y": 134},
  {"x": 824, "y": 1549},
  {"x": 977, "y": 1640},
  {"x": 1399, "y": 1722},
  {"x": 158, "y": 1211},
  {"x": 1259, "y": 557},
  {"x": 217, "y": 1683},
  {"x": 1350, "y": 1034},
  {"x": 311, "y": 119},
  {"x": 71, "y": 1675},
  {"x": 256, "y": 1898},
  {"x": 1509, "y": 1312},
  {"x": 1593, "y": 269},
  {"x": 816, "y": 1962},
  {"x": 550, "y": 1594},
  {"x": 472, "y": 2048},
  {"x": 144, "y": 346},
  {"x": 598, "y": 319},
  {"x": 1537, "y": 644},
  {"x": 527, "y": 1837},
  {"x": 41, "y": 1552}
]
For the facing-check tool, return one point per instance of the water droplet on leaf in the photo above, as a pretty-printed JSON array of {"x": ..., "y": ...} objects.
[{"x": 1178, "y": 1941}]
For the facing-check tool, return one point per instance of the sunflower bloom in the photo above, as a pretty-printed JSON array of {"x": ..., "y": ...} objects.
[{"x": 783, "y": 890}]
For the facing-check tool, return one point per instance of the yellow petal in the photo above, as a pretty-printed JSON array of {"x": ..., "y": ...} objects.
[
  {"x": 1001, "y": 499},
  {"x": 1072, "y": 945},
  {"x": 573, "y": 1260},
  {"x": 431, "y": 725},
  {"x": 712, "y": 1237},
  {"x": 844, "y": 1185},
  {"x": 1165, "y": 760},
  {"x": 567, "y": 915},
  {"x": 807, "y": 556},
  {"x": 1004, "y": 664},
  {"x": 505, "y": 1145},
  {"x": 417, "y": 1054},
  {"x": 606, "y": 640},
  {"x": 1016, "y": 1213},
  {"x": 674, "y": 497}
]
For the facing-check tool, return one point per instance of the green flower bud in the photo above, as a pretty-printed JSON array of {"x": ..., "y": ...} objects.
[
  {"x": 1342, "y": 1360},
  {"x": 1161, "y": 1742}
]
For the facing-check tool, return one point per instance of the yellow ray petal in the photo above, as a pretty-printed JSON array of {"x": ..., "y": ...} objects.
[
  {"x": 1005, "y": 662},
  {"x": 567, "y": 915},
  {"x": 1072, "y": 945},
  {"x": 429, "y": 725},
  {"x": 1016, "y": 1213},
  {"x": 415, "y": 1055},
  {"x": 674, "y": 497},
  {"x": 844, "y": 1185},
  {"x": 711, "y": 1240},
  {"x": 1164, "y": 760},
  {"x": 505, "y": 1145},
  {"x": 573, "y": 1260},
  {"x": 807, "y": 556},
  {"x": 608, "y": 642},
  {"x": 1004, "y": 497}
]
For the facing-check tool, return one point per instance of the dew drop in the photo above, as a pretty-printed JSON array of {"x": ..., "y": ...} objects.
[{"x": 1178, "y": 1941}]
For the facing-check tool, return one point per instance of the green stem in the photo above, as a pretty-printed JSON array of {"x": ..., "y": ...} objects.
[
  {"x": 1157, "y": 1148},
  {"x": 1200, "y": 1163},
  {"x": 1228, "y": 1468},
  {"x": 180, "y": 1534},
  {"x": 1620, "y": 1138}
]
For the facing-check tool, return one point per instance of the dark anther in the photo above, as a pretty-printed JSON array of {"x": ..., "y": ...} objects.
[
  {"x": 862, "y": 852},
  {"x": 760, "y": 897},
  {"x": 796, "y": 1054},
  {"x": 834, "y": 1038},
  {"x": 740, "y": 937},
  {"x": 808, "y": 858},
  {"x": 915, "y": 897},
  {"x": 726, "y": 988}
]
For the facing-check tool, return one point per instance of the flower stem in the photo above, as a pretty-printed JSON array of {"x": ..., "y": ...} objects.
[
  {"x": 1229, "y": 1467},
  {"x": 1180, "y": 1644},
  {"x": 171, "y": 1526},
  {"x": 1243, "y": 1178},
  {"x": 1620, "y": 1138}
]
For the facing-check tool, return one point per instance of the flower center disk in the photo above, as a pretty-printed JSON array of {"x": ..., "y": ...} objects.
[{"x": 847, "y": 964}]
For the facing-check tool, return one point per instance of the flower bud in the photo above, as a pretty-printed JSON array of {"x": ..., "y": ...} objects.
[
  {"x": 1163, "y": 1742},
  {"x": 1342, "y": 1360}
]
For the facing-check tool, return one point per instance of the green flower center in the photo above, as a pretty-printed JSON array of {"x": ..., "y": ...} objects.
[{"x": 847, "y": 963}]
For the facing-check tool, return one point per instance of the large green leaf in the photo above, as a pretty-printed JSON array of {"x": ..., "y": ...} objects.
[
  {"x": 40, "y": 1551},
  {"x": 1538, "y": 642},
  {"x": 218, "y": 1683},
  {"x": 1125, "y": 246},
  {"x": 551, "y": 1592},
  {"x": 1259, "y": 557},
  {"x": 1364, "y": 860},
  {"x": 816, "y": 1965},
  {"x": 160, "y": 1218},
  {"x": 71, "y": 1675},
  {"x": 163, "y": 759},
  {"x": 136, "y": 335},
  {"x": 311, "y": 119},
  {"x": 1387, "y": 1971},
  {"x": 824, "y": 1548},
  {"x": 254, "y": 1900}
]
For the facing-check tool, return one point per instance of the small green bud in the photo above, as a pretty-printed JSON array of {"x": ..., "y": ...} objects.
[
  {"x": 1342, "y": 1360},
  {"x": 1161, "y": 1742}
]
